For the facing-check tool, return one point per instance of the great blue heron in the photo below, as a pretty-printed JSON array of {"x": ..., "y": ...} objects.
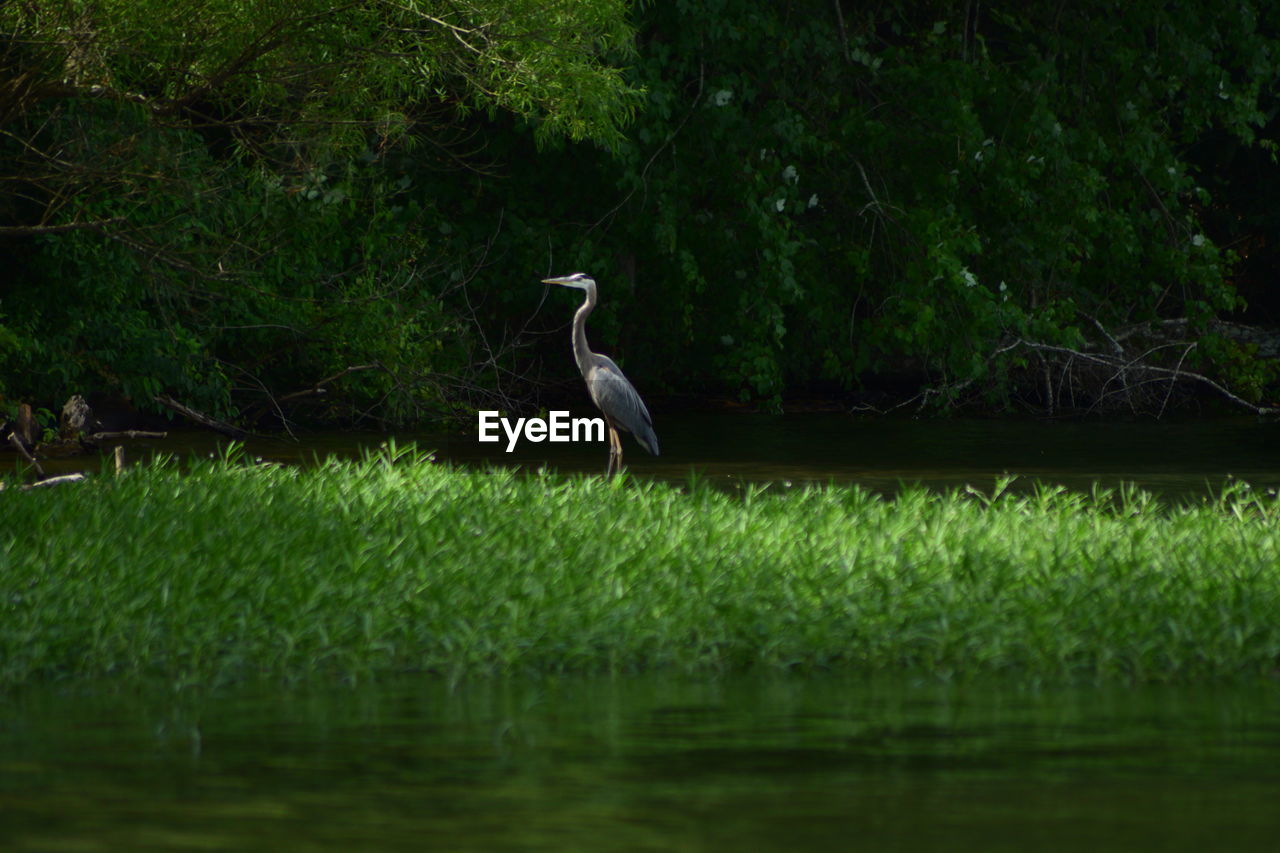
[{"x": 613, "y": 395}]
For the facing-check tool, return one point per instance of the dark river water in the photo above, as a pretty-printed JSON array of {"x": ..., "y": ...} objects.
[
  {"x": 880, "y": 453},
  {"x": 1171, "y": 458},
  {"x": 642, "y": 763},
  {"x": 668, "y": 764}
]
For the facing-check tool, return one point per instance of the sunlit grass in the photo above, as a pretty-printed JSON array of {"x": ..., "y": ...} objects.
[{"x": 396, "y": 564}]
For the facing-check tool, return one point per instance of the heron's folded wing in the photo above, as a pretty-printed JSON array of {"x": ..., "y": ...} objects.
[{"x": 618, "y": 399}]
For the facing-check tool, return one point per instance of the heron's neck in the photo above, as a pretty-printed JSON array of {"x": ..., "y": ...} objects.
[{"x": 581, "y": 353}]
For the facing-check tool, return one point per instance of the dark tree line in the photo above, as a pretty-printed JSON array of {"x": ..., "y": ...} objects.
[{"x": 340, "y": 211}]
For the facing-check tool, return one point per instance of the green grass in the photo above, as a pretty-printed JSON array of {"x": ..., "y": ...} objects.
[{"x": 394, "y": 564}]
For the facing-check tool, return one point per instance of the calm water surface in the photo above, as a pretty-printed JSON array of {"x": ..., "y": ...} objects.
[
  {"x": 882, "y": 453},
  {"x": 1172, "y": 458},
  {"x": 642, "y": 763}
]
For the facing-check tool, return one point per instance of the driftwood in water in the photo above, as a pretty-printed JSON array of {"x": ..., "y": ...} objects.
[
  {"x": 26, "y": 454},
  {"x": 49, "y": 481},
  {"x": 128, "y": 433},
  {"x": 76, "y": 420},
  {"x": 200, "y": 418},
  {"x": 72, "y": 439},
  {"x": 54, "y": 481}
]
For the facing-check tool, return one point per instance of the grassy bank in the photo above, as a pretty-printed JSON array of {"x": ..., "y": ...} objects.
[{"x": 351, "y": 570}]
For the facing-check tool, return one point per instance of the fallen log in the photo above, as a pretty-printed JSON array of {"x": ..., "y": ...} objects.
[
  {"x": 200, "y": 418},
  {"x": 26, "y": 454},
  {"x": 128, "y": 433},
  {"x": 49, "y": 481},
  {"x": 54, "y": 481}
]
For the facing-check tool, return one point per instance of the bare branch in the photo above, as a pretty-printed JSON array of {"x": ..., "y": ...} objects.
[
  {"x": 26, "y": 454},
  {"x": 200, "y": 418},
  {"x": 53, "y": 481},
  {"x": 33, "y": 230},
  {"x": 318, "y": 387},
  {"x": 1171, "y": 374},
  {"x": 128, "y": 433}
]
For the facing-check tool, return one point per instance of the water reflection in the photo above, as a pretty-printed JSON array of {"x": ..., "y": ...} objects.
[{"x": 642, "y": 763}]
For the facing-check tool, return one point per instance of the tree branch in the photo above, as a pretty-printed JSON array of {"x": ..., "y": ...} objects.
[
  {"x": 200, "y": 418},
  {"x": 26, "y": 454},
  {"x": 1172, "y": 374},
  {"x": 32, "y": 230},
  {"x": 318, "y": 387}
]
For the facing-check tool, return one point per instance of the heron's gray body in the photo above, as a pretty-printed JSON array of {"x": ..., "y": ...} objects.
[
  {"x": 613, "y": 395},
  {"x": 618, "y": 400}
]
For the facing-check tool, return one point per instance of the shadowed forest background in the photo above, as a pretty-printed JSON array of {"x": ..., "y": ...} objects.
[{"x": 326, "y": 212}]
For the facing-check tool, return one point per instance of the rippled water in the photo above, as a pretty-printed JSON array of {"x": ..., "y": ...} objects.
[{"x": 641, "y": 763}]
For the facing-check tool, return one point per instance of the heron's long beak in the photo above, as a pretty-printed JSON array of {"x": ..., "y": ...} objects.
[{"x": 561, "y": 280}]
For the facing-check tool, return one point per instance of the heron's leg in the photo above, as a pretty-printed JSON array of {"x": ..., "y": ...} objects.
[{"x": 615, "y": 453}]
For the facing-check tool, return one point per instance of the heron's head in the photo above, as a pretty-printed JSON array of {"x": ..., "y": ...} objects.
[{"x": 580, "y": 280}]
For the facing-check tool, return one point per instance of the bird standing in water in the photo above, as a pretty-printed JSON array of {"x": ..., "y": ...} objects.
[{"x": 614, "y": 396}]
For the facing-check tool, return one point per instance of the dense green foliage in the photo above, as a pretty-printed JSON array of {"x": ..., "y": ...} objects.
[
  {"x": 791, "y": 195},
  {"x": 395, "y": 564},
  {"x": 214, "y": 197},
  {"x": 910, "y": 190}
]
